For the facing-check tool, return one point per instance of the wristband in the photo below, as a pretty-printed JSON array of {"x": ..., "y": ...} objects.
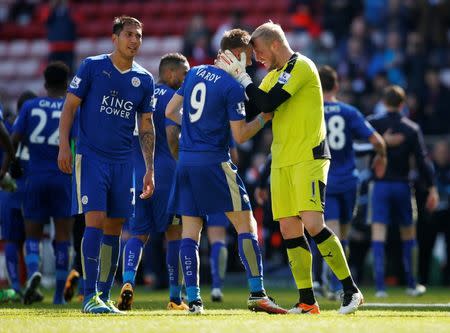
[{"x": 261, "y": 120}]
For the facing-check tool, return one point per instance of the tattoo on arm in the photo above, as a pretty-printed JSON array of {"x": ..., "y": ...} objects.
[
  {"x": 173, "y": 135},
  {"x": 147, "y": 139}
]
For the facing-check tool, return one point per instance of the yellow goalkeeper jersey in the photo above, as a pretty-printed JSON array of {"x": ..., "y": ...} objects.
[{"x": 298, "y": 125}]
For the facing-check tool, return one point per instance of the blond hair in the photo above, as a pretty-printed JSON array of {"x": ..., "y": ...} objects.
[{"x": 269, "y": 32}]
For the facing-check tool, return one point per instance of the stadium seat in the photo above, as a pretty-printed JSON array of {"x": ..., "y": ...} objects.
[
  {"x": 38, "y": 48},
  {"x": 18, "y": 48}
]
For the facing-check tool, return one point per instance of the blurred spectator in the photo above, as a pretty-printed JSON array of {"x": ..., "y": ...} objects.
[
  {"x": 61, "y": 31},
  {"x": 415, "y": 63},
  {"x": 338, "y": 15},
  {"x": 22, "y": 11},
  {"x": 438, "y": 222},
  {"x": 303, "y": 20},
  {"x": 197, "y": 42},
  {"x": 376, "y": 12},
  {"x": 234, "y": 21},
  {"x": 435, "y": 118}
]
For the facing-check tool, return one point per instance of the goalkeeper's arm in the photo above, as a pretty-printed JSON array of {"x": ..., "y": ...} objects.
[{"x": 267, "y": 102}]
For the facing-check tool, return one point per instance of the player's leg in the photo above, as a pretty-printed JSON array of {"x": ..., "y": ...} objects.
[
  {"x": 61, "y": 245},
  {"x": 192, "y": 227},
  {"x": 408, "y": 236},
  {"x": 216, "y": 229},
  {"x": 139, "y": 226},
  {"x": 251, "y": 257},
  {"x": 109, "y": 258},
  {"x": 13, "y": 232},
  {"x": 73, "y": 281},
  {"x": 119, "y": 208},
  {"x": 175, "y": 272},
  {"x": 284, "y": 208},
  {"x": 89, "y": 188},
  {"x": 378, "y": 216},
  {"x": 310, "y": 178},
  {"x": 33, "y": 232},
  {"x": 332, "y": 215}
]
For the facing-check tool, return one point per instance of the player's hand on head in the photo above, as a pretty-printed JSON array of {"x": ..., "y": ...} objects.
[
  {"x": 148, "y": 185},
  {"x": 65, "y": 159}
]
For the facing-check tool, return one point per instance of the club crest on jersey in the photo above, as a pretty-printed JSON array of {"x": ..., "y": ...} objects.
[
  {"x": 75, "y": 84},
  {"x": 284, "y": 78},
  {"x": 84, "y": 200},
  {"x": 135, "y": 81}
]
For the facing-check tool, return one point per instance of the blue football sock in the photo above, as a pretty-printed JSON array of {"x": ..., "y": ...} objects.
[
  {"x": 90, "y": 259},
  {"x": 132, "y": 255},
  {"x": 32, "y": 256},
  {"x": 109, "y": 260},
  {"x": 173, "y": 269},
  {"x": 190, "y": 264},
  {"x": 218, "y": 262},
  {"x": 62, "y": 269},
  {"x": 409, "y": 247},
  {"x": 12, "y": 264},
  {"x": 251, "y": 258},
  {"x": 378, "y": 263}
]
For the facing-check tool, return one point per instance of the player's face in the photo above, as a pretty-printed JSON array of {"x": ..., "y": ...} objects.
[
  {"x": 129, "y": 41},
  {"x": 264, "y": 53},
  {"x": 179, "y": 74}
]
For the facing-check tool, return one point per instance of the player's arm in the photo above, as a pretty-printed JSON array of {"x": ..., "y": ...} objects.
[
  {"x": 147, "y": 141},
  {"x": 173, "y": 137},
  {"x": 8, "y": 147},
  {"x": 379, "y": 162},
  {"x": 173, "y": 108},
  {"x": 266, "y": 102},
  {"x": 242, "y": 131},
  {"x": 69, "y": 110},
  {"x": 426, "y": 170}
]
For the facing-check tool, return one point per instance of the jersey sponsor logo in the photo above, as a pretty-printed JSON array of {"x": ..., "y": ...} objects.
[
  {"x": 284, "y": 78},
  {"x": 75, "y": 84},
  {"x": 108, "y": 74},
  {"x": 246, "y": 198},
  {"x": 113, "y": 105},
  {"x": 84, "y": 200},
  {"x": 241, "y": 108},
  {"x": 135, "y": 82}
]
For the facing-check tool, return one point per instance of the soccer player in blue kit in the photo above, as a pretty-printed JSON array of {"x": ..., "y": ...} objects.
[
  {"x": 11, "y": 216},
  {"x": 151, "y": 215},
  {"x": 206, "y": 181},
  {"x": 344, "y": 122},
  {"x": 390, "y": 195},
  {"x": 47, "y": 190},
  {"x": 109, "y": 89}
]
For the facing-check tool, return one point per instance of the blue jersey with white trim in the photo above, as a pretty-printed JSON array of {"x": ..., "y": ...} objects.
[
  {"x": 38, "y": 123},
  {"x": 164, "y": 164},
  {"x": 110, "y": 100},
  {"x": 344, "y": 122},
  {"x": 212, "y": 98}
]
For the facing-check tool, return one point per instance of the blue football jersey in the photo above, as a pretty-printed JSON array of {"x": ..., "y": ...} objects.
[
  {"x": 110, "y": 100},
  {"x": 165, "y": 164},
  {"x": 344, "y": 123},
  {"x": 211, "y": 99},
  {"x": 38, "y": 123}
]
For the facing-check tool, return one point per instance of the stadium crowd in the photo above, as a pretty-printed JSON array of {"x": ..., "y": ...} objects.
[{"x": 371, "y": 44}]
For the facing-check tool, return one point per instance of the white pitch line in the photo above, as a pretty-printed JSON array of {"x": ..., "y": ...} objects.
[{"x": 406, "y": 305}]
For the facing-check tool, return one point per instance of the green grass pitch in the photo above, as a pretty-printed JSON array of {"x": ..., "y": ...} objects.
[{"x": 149, "y": 315}]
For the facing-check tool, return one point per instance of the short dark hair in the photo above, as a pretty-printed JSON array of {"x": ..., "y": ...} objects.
[
  {"x": 232, "y": 39},
  {"x": 328, "y": 78},
  {"x": 56, "y": 75},
  {"x": 121, "y": 21},
  {"x": 394, "y": 96},
  {"x": 171, "y": 60},
  {"x": 25, "y": 96}
]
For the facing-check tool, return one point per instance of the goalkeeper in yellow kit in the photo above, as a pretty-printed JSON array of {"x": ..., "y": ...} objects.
[{"x": 300, "y": 158}]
